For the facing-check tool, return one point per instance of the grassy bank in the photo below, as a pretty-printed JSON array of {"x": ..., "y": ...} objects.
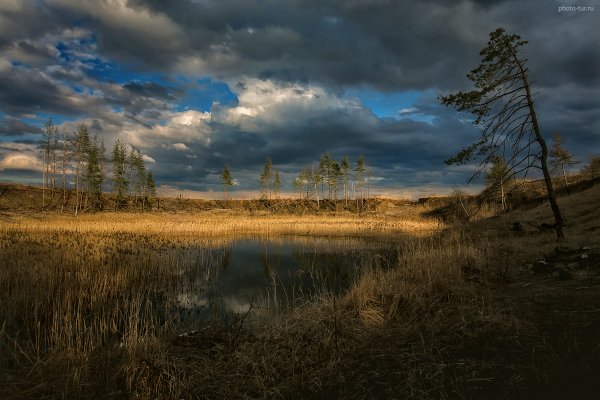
[
  {"x": 460, "y": 314},
  {"x": 227, "y": 222},
  {"x": 32, "y": 199}
]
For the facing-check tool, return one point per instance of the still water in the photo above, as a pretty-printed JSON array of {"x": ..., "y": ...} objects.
[{"x": 268, "y": 275}]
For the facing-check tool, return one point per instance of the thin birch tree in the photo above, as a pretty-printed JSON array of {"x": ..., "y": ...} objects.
[{"x": 561, "y": 158}]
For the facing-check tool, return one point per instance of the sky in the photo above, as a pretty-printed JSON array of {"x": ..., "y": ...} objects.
[{"x": 197, "y": 84}]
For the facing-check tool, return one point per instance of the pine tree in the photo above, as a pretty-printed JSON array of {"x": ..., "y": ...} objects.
[
  {"x": 502, "y": 104},
  {"x": 150, "y": 189},
  {"x": 333, "y": 176},
  {"x": 92, "y": 177},
  {"x": 305, "y": 179},
  {"x": 53, "y": 157},
  {"x": 119, "y": 166},
  {"x": 592, "y": 170},
  {"x": 140, "y": 179},
  {"x": 227, "y": 180},
  {"x": 315, "y": 178},
  {"x": 46, "y": 146},
  {"x": 345, "y": 171},
  {"x": 276, "y": 184},
  {"x": 561, "y": 158},
  {"x": 324, "y": 172},
  {"x": 102, "y": 159},
  {"x": 298, "y": 186},
  {"x": 266, "y": 180},
  {"x": 303, "y": 182},
  {"x": 80, "y": 144},
  {"x": 137, "y": 173},
  {"x": 361, "y": 171},
  {"x": 131, "y": 162},
  {"x": 64, "y": 156},
  {"x": 498, "y": 180}
]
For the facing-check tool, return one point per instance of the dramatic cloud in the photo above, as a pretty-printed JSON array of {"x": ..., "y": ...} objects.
[
  {"x": 14, "y": 127},
  {"x": 197, "y": 84},
  {"x": 18, "y": 157},
  {"x": 188, "y": 126},
  {"x": 16, "y": 161}
]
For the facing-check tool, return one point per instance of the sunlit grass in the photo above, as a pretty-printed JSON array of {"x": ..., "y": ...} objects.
[
  {"x": 78, "y": 319},
  {"x": 226, "y": 223},
  {"x": 97, "y": 286}
]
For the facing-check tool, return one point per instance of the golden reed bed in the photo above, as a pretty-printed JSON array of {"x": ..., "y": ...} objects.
[{"x": 215, "y": 223}]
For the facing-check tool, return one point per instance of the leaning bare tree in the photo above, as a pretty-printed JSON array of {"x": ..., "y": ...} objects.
[{"x": 502, "y": 103}]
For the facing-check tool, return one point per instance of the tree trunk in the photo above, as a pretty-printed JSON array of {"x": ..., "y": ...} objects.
[
  {"x": 54, "y": 169},
  {"x": 543, "y": 159},
  {"x": 44, "y": 185},
  {"x": 64, "y": 180},
  {"x": 565, "y": 175},
  {"x": 502, "y": 198},
  {"x": 76, "y": 189}
]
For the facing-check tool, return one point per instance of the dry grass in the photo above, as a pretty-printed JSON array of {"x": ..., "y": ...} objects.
[
  {"x": 225, "y": 222},
  {"x": 449, "y": 319}
]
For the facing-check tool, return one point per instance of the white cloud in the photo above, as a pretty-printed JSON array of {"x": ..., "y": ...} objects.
[
  {"x": 410, "y": 110},
  {"x": 190, "y": 125},
  {"x": 180, "y": 147},
  {"x": 265, "y": 102},
  {"x": 20, "y": 161},
  {"x": 148, "y": 159},
  {"x": 19, "y": 156}
]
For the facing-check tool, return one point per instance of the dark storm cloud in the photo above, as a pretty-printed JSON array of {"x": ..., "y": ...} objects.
[
  {"x": 571, "y": 111},
  {"x": 395, "y": 149},
  {"x": 139, "y": 99},
  {"x": 15, "y": 127},
  {"x": 26, "y": 91},
  {"x": 25, "y": 19},
  {"x": 382, "y": 45},
  {"x": 390, "y": 45},
  {"x": 31, "y": 52},
  {"x": 125, "y": 31},
  {"x": 152, "y": 89}
]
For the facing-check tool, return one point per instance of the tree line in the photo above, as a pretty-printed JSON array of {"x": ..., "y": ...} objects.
[
  {"x": 76, "y": 164},
  {"x": 333, "y": 180},
  {"x": 326, "y": 179}
]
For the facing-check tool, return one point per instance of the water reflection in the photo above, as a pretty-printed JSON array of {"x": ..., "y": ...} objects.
[{"x": 269, "y": 275}]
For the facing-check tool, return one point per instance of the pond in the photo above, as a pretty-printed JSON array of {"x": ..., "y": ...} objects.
[
  {"x": 84, "y": 292},
  {"x": 268, "y": 275}
]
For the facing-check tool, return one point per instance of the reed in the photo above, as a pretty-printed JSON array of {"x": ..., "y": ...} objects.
[
  {"x": 85, "y": 313},
  {"x": 226, "y": 222}
]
